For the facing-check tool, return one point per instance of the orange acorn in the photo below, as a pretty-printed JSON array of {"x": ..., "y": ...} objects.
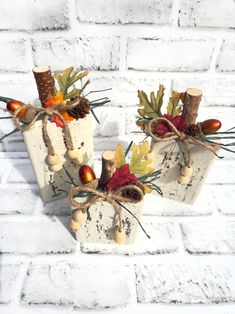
[
  {"x": 210, "y": 126},
  {"x": 13, "y": 105},
  {"x": 86, "y": 174}
]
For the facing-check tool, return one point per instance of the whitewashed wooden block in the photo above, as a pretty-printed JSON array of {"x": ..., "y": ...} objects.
[
  {"x": 168, "y": 157},
  {"x": 55, "y": 185},
  {"x": 100, "y": 224}
]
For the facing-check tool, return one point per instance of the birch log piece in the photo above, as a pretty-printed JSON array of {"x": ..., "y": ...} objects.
[
  {"x": 45, "y": 82},
  {"x": 107, "y": 168},
  {"x": 191, "y": 101}
]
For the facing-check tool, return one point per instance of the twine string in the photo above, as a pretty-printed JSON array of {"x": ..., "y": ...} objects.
[
  {"x": 175, "y": 134},
  {"x": 46, "y": 113},
  {"x": 113, "y": 197}
]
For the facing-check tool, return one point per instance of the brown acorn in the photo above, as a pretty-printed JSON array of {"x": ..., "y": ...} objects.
[
  {"x": 210, "y": 126},
  {"x": 86, "y": 174},
  {"x": 13, "y": 105}
]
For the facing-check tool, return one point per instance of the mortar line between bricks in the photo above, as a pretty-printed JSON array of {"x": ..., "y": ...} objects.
[
  {"x": 216, "y": 51},
  {"x": 19, "y": 283}
]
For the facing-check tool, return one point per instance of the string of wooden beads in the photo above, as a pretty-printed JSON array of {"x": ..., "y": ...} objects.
[{"x": 54, "y": 162}]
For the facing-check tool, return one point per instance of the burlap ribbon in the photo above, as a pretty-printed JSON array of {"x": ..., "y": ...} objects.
[
  {"x": 113, "y": 197},
  {"x": 175, "y": 134},
  {"x": 45, "y": 113}
]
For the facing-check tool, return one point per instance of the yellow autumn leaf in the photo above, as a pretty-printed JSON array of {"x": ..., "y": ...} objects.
[
  {"x": 147, "y": 188},
  {"x": 139, "y": 164},
  {"x": 119, "y": 159}
]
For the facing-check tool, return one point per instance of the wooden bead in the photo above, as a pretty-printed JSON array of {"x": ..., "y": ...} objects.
[
  {"x": 183, "y": 179},
  {"x": 186, "y": 171},
  {"x": 119, "y": 236},
  {"x": 53, "y": 159},
  {"x": 79, "y": 160},
  {"x": 56, "y": 167},
  {"x": 80, "y": 216},
  {"x": 72, "y": 153},
  {"x": 74, "y": 225}
]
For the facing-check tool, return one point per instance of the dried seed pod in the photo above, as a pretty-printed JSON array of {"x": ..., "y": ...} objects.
[
  {"x": 56, "y": 167},
  {"x": 119, "y": 235},
  {"x": 80, "y": 216},
  {"x": 74, "y": 225}
]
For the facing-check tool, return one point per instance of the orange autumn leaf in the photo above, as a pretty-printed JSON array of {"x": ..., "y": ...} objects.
[
  {"x": 58, "y": 99},
  {"x": 66, "y": 116}
]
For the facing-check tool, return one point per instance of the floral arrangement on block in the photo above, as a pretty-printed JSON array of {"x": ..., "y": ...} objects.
[
  {"x": 60, "y": 105},
  {"x": 179, "y": 124},
  {"x": 120, "y": 181},
  {"x": 61, "y": 125}
]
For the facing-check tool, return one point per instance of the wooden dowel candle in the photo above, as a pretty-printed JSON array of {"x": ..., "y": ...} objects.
[
  {"x": 45, "y": 82},
  {"x": 191, "y": 100},
  {"x": 107, "y": 168}
]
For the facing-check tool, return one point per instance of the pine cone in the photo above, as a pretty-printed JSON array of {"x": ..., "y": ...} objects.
[
  {"x": 81, "y": 110},
  {"x": 194, "y": 130},
  {"x": 131, "y": 193}
]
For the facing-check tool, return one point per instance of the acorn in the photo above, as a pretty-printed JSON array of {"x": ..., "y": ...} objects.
[
  {"x": 13, "y": 105},
  {"x": 210, "y": 126},
  {"x": 86, "y": 174},
  {"x": 119, "y": 235}
]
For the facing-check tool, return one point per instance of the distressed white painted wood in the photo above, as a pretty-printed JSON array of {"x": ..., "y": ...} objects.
[
  {"x": 101, "y": 222},
  {"x": 169, "y": 157},
  {"x": 53, "y": 185}
]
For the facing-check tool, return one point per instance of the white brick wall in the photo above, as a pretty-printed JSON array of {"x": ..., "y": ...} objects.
[{"x": 127, "y": 45}]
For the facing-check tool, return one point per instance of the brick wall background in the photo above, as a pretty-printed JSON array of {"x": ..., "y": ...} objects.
[{"x": 127, "y": 44}]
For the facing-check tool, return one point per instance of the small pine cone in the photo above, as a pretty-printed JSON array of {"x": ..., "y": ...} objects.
[
  {"x": 131, "y": 193},
  {"x": 194, "y": 130},
  {"x": 81, "y": 110}
]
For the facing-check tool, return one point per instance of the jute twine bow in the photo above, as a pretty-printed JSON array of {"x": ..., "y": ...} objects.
[
  {"x": 113, "y": 197},
  {"x": 175, "y": 134},
  {"x": 46, "y": 113}
]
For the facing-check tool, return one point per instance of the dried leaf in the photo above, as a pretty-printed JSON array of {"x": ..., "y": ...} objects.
[
  {"x": 119, "y": 156},
  {"x": 151, "y": 108},
  {"x": 139, "y": 164},
  {"x": 147, "y": 188},
  {"x": 173, "y": 107},
  {"x": 66, "y": 79}
]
